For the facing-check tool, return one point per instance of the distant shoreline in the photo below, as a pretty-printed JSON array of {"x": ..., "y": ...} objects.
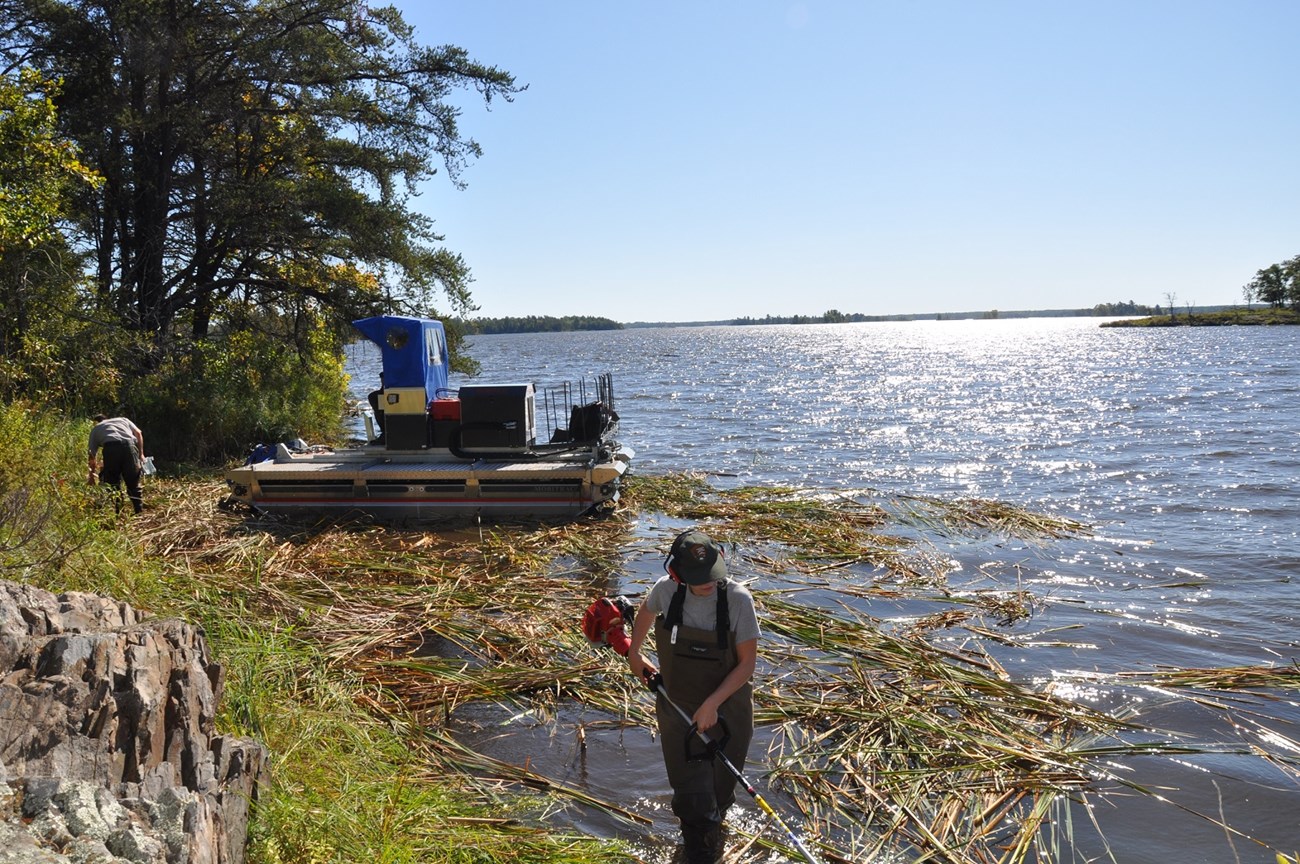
[
  {"x": 1208, "y": 316},
  {"x": 1223, "y": 318},
  {"x": 1105, "y": 310}
]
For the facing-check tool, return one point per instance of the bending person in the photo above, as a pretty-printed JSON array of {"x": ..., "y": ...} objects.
[
  {"x": 706, "y": 640},
  {"x": 123, "y": 445}
]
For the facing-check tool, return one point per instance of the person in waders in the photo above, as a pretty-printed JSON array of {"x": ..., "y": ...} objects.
[{"x": 706, "y": 641}]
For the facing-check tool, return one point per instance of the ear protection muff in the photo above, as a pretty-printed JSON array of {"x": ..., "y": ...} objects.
[{"x": 672, "y": 553}]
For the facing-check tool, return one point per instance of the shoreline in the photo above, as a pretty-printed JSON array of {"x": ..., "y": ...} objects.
[{"x": 1225, "y": 318}]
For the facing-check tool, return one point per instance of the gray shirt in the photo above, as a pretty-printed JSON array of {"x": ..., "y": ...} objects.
[
  {"x": 113, "y": 429},
  {"x": 701, "y": 612}
]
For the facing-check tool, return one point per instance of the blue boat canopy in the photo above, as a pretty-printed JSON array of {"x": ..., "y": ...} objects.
[{"x": 414, "y": 351}]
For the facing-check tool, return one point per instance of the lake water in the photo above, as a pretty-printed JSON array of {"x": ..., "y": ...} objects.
[{"x": 1180, "y": 447}]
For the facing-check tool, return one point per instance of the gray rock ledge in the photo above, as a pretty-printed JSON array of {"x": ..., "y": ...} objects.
[{"x": 108, "y": 743}]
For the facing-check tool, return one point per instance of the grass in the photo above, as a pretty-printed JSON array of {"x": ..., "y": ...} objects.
[
  {"x": 286, "y": 612},
  {"x": 1243, "y": 317},
  {"x": 349, "y": 647}
]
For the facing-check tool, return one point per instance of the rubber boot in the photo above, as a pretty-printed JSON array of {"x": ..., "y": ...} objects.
[
  {"x": 702, "y": 844},
  {"x": 717, "y": 842}
]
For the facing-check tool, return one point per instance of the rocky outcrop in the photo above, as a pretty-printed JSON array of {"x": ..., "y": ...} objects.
[{"x": 108, "y": 745}]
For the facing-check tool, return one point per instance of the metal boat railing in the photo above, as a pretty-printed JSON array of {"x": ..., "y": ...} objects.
[{"x": 587, "y": 403}]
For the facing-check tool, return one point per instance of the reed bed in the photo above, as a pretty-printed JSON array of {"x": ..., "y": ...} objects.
[{"x": 884, "y": 742}]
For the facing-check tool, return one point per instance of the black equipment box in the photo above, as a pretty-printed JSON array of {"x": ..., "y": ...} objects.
[
  {"x": 442, "y": 433},
  {"x": 498, "y": 417},
  {"x": 405, "y": 432}
]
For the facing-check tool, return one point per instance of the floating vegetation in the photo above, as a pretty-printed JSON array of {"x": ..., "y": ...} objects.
[
  {"x": 819, "y": 530},
  {"x": 882, "y": 740},
  {"x": 969, "y": 516},
  {"x": 907, "y": 742},
  {"x": 1225, "y": 678}
]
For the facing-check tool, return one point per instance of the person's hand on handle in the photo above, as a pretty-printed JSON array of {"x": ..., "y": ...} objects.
[{"x": 706, "y": 716}]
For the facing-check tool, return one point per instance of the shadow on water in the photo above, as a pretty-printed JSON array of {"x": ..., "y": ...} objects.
[{"x": 612, "y": 762}]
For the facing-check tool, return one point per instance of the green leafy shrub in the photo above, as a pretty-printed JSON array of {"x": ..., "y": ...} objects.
[{"x": 239, "y": 389}]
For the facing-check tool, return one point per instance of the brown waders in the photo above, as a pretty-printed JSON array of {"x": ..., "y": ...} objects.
[{"x": 693, "y": 665}]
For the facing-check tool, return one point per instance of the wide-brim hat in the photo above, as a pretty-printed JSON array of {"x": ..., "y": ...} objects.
[{"x": 696, "y": 559}]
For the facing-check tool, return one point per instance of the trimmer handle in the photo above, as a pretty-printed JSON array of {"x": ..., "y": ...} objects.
[
  {"x": 711, "y": 747},
  {"x": 654, "y": 681}
]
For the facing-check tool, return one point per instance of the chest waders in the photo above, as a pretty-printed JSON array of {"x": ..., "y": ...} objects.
[{"x": 693, "y": 663}]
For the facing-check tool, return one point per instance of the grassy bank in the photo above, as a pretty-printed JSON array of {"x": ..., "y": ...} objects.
[
  {"x": 353, "y": 779},
  {"x": 1224, "y": 318},
  {"x": 350, "y": 649}
]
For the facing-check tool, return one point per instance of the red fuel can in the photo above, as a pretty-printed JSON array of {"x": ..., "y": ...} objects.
[
  {"x": 445, "y": 409},
  {"x": 444, "y": 421}
]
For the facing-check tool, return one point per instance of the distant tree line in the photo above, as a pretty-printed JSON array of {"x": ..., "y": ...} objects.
[
  {"x": 831, "y": 316},
  {"x": 834, "y": 316},
  {"x": 538, "y": 324},
  {"x": 1110, "y": 310},
  {"x": 1277, "y": 285}
]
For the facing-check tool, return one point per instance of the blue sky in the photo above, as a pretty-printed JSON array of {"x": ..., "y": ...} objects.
[{"x": 686, "y": 161}]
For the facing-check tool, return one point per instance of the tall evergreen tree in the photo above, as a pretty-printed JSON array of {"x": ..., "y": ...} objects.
[{"x": 256, "y": 155}]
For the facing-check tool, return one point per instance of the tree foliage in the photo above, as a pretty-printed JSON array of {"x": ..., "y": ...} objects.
[
  {"x": 1124, "y": 308},
  {"x": 256, "y": 155},
  {"x": 39, "y": 167},
  {"x": 834, "y": 316},
  {"x": 1276, "y": 284},
  {"x": 43, "y": 339}
]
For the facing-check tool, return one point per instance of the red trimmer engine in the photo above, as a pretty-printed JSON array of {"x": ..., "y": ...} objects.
[{"x": 604, "y": 621}]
